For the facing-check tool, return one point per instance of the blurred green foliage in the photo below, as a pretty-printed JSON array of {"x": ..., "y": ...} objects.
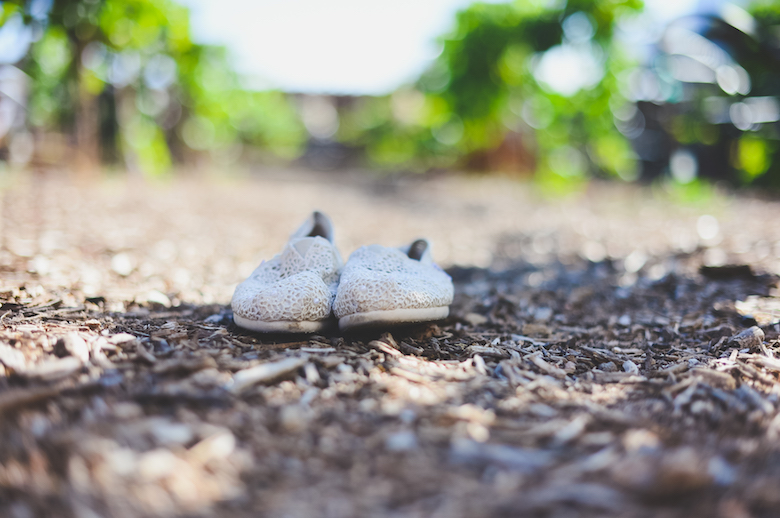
[
  {"x": 533, "y": 86},
  {"x": 126, "y": 72},
  {"x": 726, "y": 118},
  {"x": 483, "y": 86},
  {"x": 492, "y": 100},
  {"x": 758, "y": 151}
]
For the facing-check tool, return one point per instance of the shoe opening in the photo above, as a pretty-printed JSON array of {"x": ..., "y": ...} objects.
[
  {"x": 417, "y": 249},
  {"x": 321, "y": 226}
]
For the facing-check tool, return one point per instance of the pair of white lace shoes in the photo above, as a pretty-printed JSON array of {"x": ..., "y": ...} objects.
[{"x": 298, "y": 290}]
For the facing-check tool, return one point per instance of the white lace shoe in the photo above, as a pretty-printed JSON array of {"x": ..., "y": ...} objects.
[
  {"x": 294, "y": 291},
  {"x": 381, "y": 286}
]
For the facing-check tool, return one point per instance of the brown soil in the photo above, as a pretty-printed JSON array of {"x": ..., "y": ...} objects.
[{"x": 608, "y": 354}]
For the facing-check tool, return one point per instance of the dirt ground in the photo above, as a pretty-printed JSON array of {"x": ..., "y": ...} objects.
[{"x": 612, "y": 353}]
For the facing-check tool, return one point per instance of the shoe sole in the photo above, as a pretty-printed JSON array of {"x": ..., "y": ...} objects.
[
  {"x": 392, "y": 316},
  {"x": 280, "y": 326}
]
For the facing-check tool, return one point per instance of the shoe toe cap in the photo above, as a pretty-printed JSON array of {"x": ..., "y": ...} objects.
[
  {"x": 301, "y": 297},
  {"x": 385, "y": 292}
]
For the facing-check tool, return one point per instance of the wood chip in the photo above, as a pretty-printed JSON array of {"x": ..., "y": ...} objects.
[
  {"x": 548, "y": 368},
  {"x": 143, "y": 353},
  {"x": 12, "y": 358},
  {"x": 385, "y": 348},
  {"x": 184, "y": 366},
  {"x": 750, "y": 338},
  {"x": 122, "y": 339},
  {"x": 54, "y": 369},
  {"x": 320, "y": 350},
  {"x": 265, "y": 373},
  {"x": 72, "y": 344},
  {"x": 16, "y": 398},
  {"x": 410, "y": 349},
  {"x": 486, "y": 350},
  {"x": 571, "y": 431},
  {"x": 475, "y": 319},
  {"x": 715, "y": 378},
  {"x": 411, "y": 376},
  {"x": 772, "y": 364},
  {"x": 517, "y": 459}
]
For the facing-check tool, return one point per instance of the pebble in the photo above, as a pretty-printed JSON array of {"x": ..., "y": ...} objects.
[
  {"x": 121, "y": 461},
  {"x": 536, "y": 330},
  {"x": 608, "y": 367},
  {"x": 122, "y": 339},
  {"x": 542, "y": 410},
  {"x": 571, "y": 431},
  {"x": 479, "y": 364},
  {"x": 543, "y": 314},
  {"x": 630, "y": 367},
  {"x": 122, "y": 264},
  {"x": 475, "y": 319},
  {"x": 641, "y": 440},
  {"x": 293, "y": 418},
  {"x": 55, "y": 369},
  {"x": 404, "y": 440},
  {"x": 216, "y": 446},
  {"x": 683, "y": 470},
  {"x": 311, "y": 373},
  {"x": 167, "y": 433},
  {"x": 72, "y": 345},
  {"x": 161, "y": 346},
  {"x": 721, "y": 471},
  {"x": 157, "y": 297},
  {"x": 12, "y": 358},
  {"x": 750, "y": 338},
  {"x": 126, "y": 410},
  {"x": 664, "y": 475},
  {"x": 156, "y": 464},
  {"x": 707, "y": 227}
]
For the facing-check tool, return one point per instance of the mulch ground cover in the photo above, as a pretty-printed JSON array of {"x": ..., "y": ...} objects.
[{"x": 609, "y": 354}]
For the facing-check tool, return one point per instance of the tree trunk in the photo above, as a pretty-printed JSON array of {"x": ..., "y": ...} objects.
[{"x": 87, "y": 127}]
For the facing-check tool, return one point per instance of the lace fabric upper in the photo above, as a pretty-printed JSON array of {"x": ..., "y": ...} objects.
[
  {"x": 377, "y": 278},
  {"x": 297, "y": 285}
]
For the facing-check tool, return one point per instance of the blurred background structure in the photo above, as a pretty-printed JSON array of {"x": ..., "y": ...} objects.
[{"x": 560, "y": 91}]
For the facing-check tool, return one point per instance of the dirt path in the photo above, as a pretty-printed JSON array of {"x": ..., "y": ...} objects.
[{"x": 602, "y": 358}]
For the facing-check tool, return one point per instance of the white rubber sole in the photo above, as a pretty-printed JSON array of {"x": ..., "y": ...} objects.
[
  {"x": 280, "y": 326},
  {"x": 392, "y": 316}
]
